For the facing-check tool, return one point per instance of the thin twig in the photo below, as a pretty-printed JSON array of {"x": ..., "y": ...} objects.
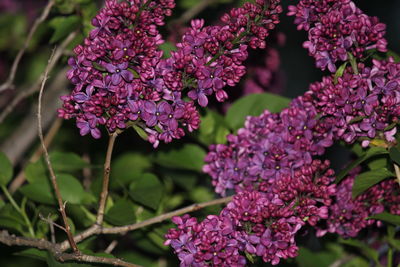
[
  {"x": 48, "y": 162},
  {"x": 95, "y": 229},
  {"x": 50, "y": 221},
  {"x": 163, "y": 217},
  {"x": 9, "y": 83},
  {"x": 106, "y": 179},
  {"x": 397, "y": 171},
  {"x": 342, "y": 261},
  {"x": 36, "y": 86},
  {"x": 51, "y": 224},
  {"x": 111, "y": 247},
  {"x": 12, "y": 240},
  {"x": 20, "y": 178}
]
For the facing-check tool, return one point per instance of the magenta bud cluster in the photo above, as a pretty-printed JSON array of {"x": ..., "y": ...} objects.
[
  {"x": 337, "y": 30},
  {"x": 348, "y": 215},
  {"x": 271, "y": 164},
  {"x": 269, "y": 146},
  {"x": 257, "y": 223},
  {"x": 121, "y": 78},
  {"x": 363, "y": 106}
]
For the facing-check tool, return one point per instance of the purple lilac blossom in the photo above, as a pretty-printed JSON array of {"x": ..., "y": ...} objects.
[
  {"x": 268, "y": 147},
  {"x": 364, "y": 106},
  {"x": 349, "y": 215},
  {"x": 337, "y": 28},
  {"x": 121, "y": 78},
  {"x": 260, "y": 223}
]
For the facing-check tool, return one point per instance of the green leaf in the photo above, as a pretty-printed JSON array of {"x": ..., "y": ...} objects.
[
  {"x": 339, "y": 72},
  {"x": 201, "y": 194},
  {"x": 366, "y": 250},
  {"x": 391, "y": 53},
  {"x": 220, "y": 137},
  {"x": 357, "y": 119},
  {"x": 138, "y": 258},
  {"x": 63, "y": 26},
  {"x": 387, "y": 217},
  {"x": 141, "y": 132},
  {"x": 145, "y": 244},
  {"x": 65, "y": 6},
  {"x": 213, "y": 129},
  {"x": 188, "y": 157},
  {"x": 81, "y": 215},
  {"x": 185, "y": 179},
  {"x": 308, "y": 258},
  {"x": 395, "y": 155},
  {"x": 167, "y": 48},
  {"x": 36, "y": 171},
  {"x": 121, "y": 213},
  {"x": 127, "y": 168},
  {"x": 186, "y": 4},
  {"x": 67, "y": 162},
  {"x": 365, "y": 180},
  {"x": 10, "y": 218},
  {"x": 33, "y": 253},
  {"x": 378, "y": 162},
  {"x": 353, "y": 62},
  {"x": 254, "y": 105},
  {"x": 357, "y": 262},
  {"x": 41, "y": 190},
  {"x": 6, "y": 169},
  {"x": 147, "y": 190},
  {"x": 373, "y": 151}
]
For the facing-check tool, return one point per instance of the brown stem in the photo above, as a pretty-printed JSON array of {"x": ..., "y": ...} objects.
[
  {"x": 106, "y": 179},
  {"x": 397, "y": 171},
  {"x": 12, "y": 240},
  {"x": 48, "y": 162},
  {"x": 9, "y": 83},
  {"x": 95, "y": 229}
]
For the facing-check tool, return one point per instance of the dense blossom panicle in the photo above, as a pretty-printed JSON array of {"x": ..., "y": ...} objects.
[
  {"x": 348, "y": 215},
  {"x": 337, "y": 29},
  {"x": 121, "y": 78},
  {"x": 260, "y": 222},
  {"x": 362, "y": 106},
  {"x": 268, "y": 147},
  {"x": 208, "y": 243}
]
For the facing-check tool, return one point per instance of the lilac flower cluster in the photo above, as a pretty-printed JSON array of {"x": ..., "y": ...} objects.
[
  {"x": 362, "y": 106},
  {"x": 122, "y": 80},
  {"x": 269, "y": 146},
  {"x": 212, "y": 57},
  {"x": 337, "y": 29},
  {"x": 257, "y": 223},
  {"x": 348, "y": 215}
]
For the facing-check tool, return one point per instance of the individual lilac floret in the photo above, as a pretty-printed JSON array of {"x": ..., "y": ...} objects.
[{"x": 119, "y": 72}]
